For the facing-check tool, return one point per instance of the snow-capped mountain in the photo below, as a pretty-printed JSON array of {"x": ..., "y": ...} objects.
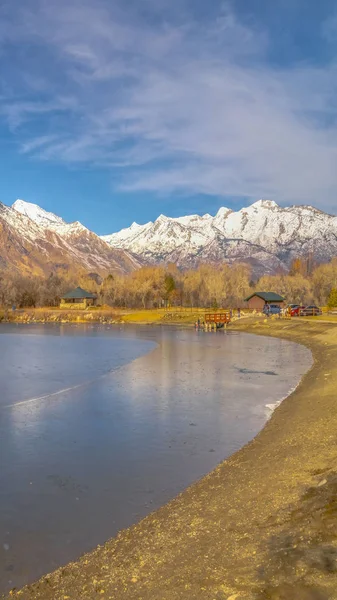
[
  {"x": 264, "y": 234},
  {"x": 37, "y": 214},
  {"x": 33, "y": 240},
  {"x": 47, "y": 220}
]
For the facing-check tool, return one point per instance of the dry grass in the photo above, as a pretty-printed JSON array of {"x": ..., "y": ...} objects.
[
  {"x": 143, "y": 316},
  {"x": 171, "y": 315},
  {"x": 326, "y": 317},
  {"x": 161, "y": 315}
]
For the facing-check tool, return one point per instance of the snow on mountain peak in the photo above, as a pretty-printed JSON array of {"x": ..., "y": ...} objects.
[
  {"x": 264, "y": 204},
  {"x": 263, "y": 234},
  {"x": 33, "y": 239},
  {"x": 222, "y": 212},
  {"x": 36, "y": 213},
  {"x": 162, "y": 219},
  {"x": 47, "y": 220}
]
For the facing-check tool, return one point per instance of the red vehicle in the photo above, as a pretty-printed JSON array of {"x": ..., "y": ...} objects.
[
  {"x": 310, "y": 311},
  {"x": 295, "y": 310}
]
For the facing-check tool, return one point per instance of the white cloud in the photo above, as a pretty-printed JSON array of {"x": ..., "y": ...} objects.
[
  {"x": 38, "y": 143},
  {"x": 18, "y": 112},
  {"x": 182, "y": 105}
]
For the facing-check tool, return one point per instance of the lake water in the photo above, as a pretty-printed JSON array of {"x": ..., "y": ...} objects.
[{"x": 101, "y": 425}]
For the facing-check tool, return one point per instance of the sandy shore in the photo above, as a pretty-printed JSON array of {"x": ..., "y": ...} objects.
[{"x": 262, "y": 525}]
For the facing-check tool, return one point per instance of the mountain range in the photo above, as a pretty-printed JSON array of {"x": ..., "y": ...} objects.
[
  {"x": 35, "y": 241},
  {"x": 264, "y": 235}
]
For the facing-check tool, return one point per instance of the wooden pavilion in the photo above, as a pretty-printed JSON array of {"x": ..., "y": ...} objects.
[{"x": 78, "y": 298}]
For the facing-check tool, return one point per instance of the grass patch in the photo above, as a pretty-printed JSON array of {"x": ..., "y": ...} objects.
[
  {"x": 160, "y": 315},
  {"x": 144, "y": 316}
]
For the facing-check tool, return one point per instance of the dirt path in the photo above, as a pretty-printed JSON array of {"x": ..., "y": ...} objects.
[{"x": 261, "y": 526}]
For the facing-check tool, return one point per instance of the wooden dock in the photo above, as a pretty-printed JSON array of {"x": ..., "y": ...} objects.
[{"x": 218, "y": 320}]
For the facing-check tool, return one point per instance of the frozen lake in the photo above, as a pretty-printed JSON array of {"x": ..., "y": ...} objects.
[{"x": 101, "y": 425}]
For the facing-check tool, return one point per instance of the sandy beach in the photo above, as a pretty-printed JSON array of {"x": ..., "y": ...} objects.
[{"x": 261, "y": 526}]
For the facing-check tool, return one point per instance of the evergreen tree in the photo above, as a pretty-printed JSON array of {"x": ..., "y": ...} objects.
[{"x": 332, "y": 300}]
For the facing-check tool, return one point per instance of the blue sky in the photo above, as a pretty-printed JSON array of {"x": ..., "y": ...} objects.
[{"x": 113, "y": 111}]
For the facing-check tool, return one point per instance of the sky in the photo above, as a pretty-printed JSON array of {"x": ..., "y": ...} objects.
[{"x": 114, "y": 111}]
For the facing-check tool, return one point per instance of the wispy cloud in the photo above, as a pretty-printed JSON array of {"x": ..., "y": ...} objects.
[
  {"x": 18, "y": 112},
  {"x": 176, "y": 103},
  {"x": 37, "y": 143}
]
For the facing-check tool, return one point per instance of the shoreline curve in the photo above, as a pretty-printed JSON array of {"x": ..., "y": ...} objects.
[{"x": 262, "y": 525}]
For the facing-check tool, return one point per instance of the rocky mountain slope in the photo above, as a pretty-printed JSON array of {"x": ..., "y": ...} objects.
[
  {"x": 33, "y": 240},
  {"x": 263, "y": 234}
]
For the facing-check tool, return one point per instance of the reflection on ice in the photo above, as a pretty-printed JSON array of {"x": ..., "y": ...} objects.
[{"x": 149, "y": 410}]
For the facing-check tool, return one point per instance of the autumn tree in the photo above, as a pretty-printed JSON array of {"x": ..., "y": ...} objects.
[
  {"x": 219, "y": 285},
  {"x": 323, "y": 279}
]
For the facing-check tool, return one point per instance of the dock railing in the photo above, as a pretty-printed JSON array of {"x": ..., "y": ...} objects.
[{"x": 218, "y": 318}]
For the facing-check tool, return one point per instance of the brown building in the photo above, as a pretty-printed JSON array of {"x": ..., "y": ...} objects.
[
  {"x": 258, "y": 300},
  {"x": 78, "y": 298}
]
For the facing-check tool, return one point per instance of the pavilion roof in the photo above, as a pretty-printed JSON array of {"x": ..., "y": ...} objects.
[{"x": 78, "y": 293}]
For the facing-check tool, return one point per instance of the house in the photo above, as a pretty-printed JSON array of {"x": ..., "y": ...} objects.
[
  {"x": 78, "y": 298},
  {"x": 258, "y": 300}
]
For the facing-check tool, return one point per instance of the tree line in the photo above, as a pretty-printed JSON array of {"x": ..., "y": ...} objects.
[{"x": 216, "y": 286}]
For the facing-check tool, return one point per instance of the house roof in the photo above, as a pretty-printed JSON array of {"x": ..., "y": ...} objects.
[
  {"x": 266, "y": 296},
  {"x": 78, "y": 293}
]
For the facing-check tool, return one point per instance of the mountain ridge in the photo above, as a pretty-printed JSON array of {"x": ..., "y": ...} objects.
[
  {"x": 264, "y": 235},
  {"x": 34, "y": 241}
]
